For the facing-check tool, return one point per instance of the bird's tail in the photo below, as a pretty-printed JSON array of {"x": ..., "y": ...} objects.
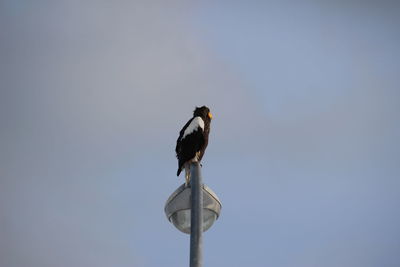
[{"x": 180, "y": 167}]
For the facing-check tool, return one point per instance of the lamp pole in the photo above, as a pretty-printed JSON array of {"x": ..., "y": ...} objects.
[
  {"x": 196, "y": 239},
  {"x": 192, "y": 210}
]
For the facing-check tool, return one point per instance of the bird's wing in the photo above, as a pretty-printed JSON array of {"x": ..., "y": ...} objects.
[
  {"x": 178, "y": 141},
  {"x": 191, "y": 136},
  {"x": 190, "y": 145}
]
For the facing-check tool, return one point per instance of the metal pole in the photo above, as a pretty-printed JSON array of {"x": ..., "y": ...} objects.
[{"x": 196, "y": 239}]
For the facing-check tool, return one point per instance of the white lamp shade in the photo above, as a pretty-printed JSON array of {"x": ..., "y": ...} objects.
[{"x": 177, "y": 208}]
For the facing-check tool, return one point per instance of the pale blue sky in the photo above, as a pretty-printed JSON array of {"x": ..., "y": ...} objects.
[{"x": 303, "y": 149}]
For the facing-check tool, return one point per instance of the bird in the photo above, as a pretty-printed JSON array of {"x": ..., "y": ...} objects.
[{"x": 193, "y": 140}]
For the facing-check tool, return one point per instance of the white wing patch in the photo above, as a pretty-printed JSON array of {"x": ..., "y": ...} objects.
[{"x": 193, "y": 126}]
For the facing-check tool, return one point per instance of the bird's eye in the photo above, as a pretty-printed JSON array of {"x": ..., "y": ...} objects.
[{"x": 209, "y": 115}]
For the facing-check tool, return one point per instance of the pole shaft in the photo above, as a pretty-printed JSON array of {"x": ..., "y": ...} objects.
[{"x": 196, "y": 239}]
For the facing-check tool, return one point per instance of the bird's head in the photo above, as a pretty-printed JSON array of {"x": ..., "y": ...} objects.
[{"x": 203, "y": 112}]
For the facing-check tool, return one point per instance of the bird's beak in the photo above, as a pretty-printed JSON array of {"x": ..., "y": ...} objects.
[{"x": 209, "y": 115}]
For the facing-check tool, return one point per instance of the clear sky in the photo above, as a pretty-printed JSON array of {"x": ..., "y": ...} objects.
[{"x": 303, "y": 149}]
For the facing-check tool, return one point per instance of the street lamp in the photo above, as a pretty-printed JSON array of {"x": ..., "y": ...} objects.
[
  {"x": 178, "y": 206},
  {"x": 206, "y": 208}
]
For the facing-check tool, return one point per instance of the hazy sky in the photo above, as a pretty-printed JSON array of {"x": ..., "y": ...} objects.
[{"x": 303, "y": 149}]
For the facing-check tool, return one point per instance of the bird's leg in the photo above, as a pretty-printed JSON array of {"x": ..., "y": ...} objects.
[
  {"x": 187, "y": 174},
  {"x": 197, "y": 157}
]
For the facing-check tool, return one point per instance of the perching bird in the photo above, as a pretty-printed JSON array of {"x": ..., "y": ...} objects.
[{"x": 193, "y": 140}]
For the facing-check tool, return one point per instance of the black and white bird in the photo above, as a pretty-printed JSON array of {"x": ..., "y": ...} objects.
[{"x": 193, "y": 140}]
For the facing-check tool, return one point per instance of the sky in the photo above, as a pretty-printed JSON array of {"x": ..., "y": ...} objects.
[{"x": 303, "y": 149}]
